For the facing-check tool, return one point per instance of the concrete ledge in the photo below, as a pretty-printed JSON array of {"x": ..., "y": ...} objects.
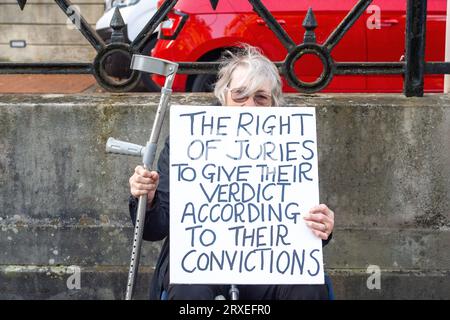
[
  {"x": 394, "y": 285},
  {"x": 55, "y": 283},
  {"x": 108, "y": 283},
  {"x": 384, "y": 165}
]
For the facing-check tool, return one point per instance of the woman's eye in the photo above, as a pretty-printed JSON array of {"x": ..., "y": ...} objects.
[{"x": 262, "y": 97}]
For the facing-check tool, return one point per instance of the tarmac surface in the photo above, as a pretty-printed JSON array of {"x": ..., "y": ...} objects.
[{"x": 32, "y": 83}]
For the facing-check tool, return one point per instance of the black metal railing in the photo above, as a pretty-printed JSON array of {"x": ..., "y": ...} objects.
[{"x": 413, "y": 68}]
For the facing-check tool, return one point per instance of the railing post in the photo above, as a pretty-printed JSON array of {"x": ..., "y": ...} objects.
[
  {"x": 447, "y": 49},
  {"x": 416, "y": 18}
]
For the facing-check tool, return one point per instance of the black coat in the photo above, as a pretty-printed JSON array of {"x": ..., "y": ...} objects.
[{"x": 156, "y": 226}]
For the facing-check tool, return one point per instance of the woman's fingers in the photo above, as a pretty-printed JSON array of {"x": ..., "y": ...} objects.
[
  {"x": 145, "y": 176},
  {"x": 319, "y": 229},
  {"x": 154, "y": 176},
  {"x": 144, "y": 186},
  {"x": 139, "y": 170},
  {"x": 321, "y": 221},
  {"x": 141, "y": 179},
  {"x": 322, "y": 208},
  {"x": 317, "y": 217},
  {"x": 316, "y": 226},
  {"x": 321, "y": 235},
  {"x": 143, "y": 182}
]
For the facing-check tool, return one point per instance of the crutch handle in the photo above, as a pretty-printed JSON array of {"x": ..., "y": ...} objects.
[{"x": 123, "y": 147}]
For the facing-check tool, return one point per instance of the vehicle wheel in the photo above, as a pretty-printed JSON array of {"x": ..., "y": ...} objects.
[
  {"x": 204, "y": 83},
  {"x": 146, "y": 79}
]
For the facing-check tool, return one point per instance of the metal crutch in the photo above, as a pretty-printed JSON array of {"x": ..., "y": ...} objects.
[
  {"x": 234, "y": 292},
  {"x": 167, "y": 69}
]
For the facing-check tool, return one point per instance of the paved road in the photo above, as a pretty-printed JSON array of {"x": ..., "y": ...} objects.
[
  {"x": 48, "y": 84},
  {"x": 54, "y": 83}
]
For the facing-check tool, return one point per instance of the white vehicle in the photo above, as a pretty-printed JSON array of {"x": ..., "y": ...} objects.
[{"x": 136, "y": 14}]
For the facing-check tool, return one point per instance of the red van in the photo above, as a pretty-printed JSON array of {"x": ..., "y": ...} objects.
[{"x": 196, "y": 32}]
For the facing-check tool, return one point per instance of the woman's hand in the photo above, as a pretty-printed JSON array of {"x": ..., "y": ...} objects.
[
  {"x": 321, "y": 221},
  {"x": 144, "y": 182}
]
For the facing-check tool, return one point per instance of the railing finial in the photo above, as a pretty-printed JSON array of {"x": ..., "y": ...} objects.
[
  {"x": 22, "y": 3},
  {"x": 214, "y": 3},
  {"x": 310, "y": 24},
  {"x": 117, "y": 24}
]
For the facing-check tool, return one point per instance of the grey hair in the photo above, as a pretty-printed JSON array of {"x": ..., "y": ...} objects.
[{"x": 260, "y": 71}]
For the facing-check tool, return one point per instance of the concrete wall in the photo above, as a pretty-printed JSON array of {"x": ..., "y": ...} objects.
[
  {"x": 384, "y": 169},
  {"x": 49, "y": 33}
]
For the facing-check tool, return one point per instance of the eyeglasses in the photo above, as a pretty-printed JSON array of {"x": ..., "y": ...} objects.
[{"x": 260, "y": 98}]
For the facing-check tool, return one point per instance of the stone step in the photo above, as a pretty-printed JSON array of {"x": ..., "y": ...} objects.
[{"x": 109, "y": 282}]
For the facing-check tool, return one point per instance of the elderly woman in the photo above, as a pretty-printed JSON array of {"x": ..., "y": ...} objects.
[{"x": 245, "y": 79}]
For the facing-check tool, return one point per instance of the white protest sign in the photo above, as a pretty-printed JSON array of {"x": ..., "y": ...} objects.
[{"x": 240, "y": 180}]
